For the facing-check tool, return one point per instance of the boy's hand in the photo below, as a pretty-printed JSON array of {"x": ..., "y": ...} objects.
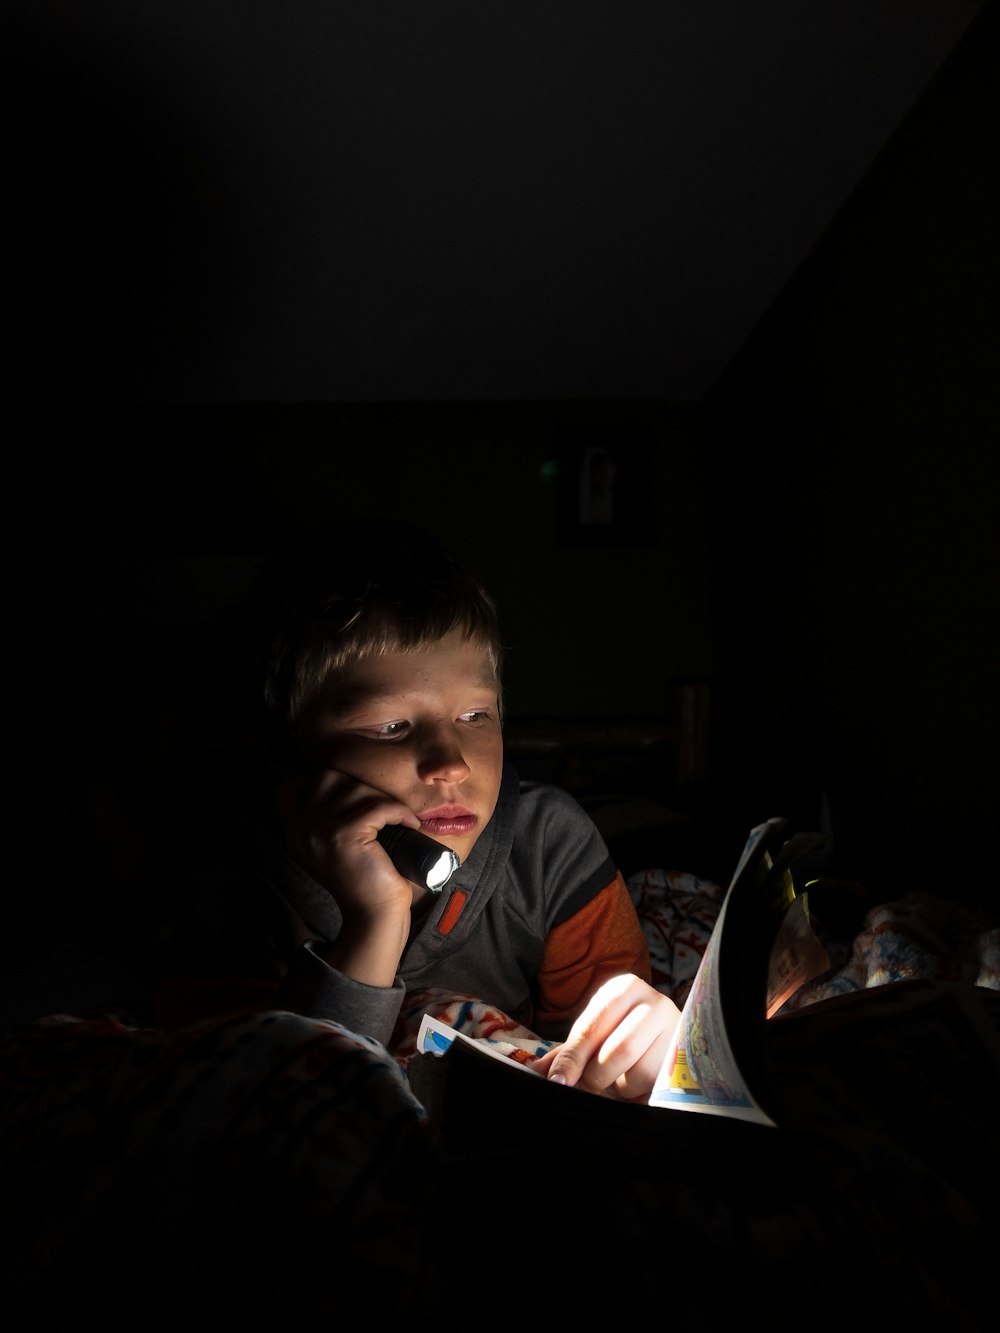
[
  {"x": 618, "y": 1043},
  {"x": 331, "y": 822}
]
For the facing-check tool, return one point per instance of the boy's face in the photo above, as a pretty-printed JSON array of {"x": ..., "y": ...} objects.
[{"x": 422, "y": 726}]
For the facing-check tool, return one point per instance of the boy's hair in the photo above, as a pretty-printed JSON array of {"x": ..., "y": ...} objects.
[{"x": 372, "y": 588}]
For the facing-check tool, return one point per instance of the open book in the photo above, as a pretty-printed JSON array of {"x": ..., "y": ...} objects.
[{"x": 761, "y": 950}]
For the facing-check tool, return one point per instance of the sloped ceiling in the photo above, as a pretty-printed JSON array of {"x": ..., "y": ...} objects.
[{"x": 397, "y": 200}]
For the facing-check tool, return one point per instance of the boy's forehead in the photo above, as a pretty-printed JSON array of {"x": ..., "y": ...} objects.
[{"x": 401, "y": 672}]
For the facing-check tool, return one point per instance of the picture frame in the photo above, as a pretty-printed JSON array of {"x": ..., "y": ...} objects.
[{"x": 605, "y": 485}]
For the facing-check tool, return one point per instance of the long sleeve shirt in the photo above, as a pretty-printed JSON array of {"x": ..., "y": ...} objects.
[{"x": 532, "y": 923}]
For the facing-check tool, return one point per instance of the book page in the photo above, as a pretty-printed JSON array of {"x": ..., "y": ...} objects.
[
  {"x": 700, "y": 1072},
  {"x": 796, "y": 957},
  {"x": 761, "y": 909},
  {"x": 434, "y": 1038}
]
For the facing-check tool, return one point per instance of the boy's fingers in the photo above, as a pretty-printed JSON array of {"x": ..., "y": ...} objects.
[
  {"x": 619, "y": 1040},
  {"x": 608, "y": 1006},
  {"x": 636, "y": 1082},
  {"x": 543, "y": 1063}
]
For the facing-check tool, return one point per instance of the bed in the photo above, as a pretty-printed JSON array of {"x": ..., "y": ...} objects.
[{"x": 269, "y": 1166}]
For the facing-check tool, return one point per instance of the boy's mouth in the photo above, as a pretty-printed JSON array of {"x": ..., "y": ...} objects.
[{"x": 448, "y": 821}]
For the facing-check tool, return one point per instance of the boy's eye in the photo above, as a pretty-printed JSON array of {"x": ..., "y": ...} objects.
[
  {"x": 388, "y": 730},
  {"x": 475, "y": 717}
]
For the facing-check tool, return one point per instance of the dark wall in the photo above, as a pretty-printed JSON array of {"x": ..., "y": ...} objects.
[
  {"x": 822, "y": 542},
  {"x": 132, "y": 545},
  {"x": 161, "y": 515},
  {"x": 854, "y": 470}
]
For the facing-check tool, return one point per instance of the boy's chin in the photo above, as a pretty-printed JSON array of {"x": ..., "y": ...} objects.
[{"x": 469, "y": 843}]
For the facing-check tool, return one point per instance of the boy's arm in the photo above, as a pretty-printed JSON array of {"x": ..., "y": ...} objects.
[
  {"x": 601, "y": 940},
  {"x": 251, "y": 935},
  {"x": 310, "y": 987}
]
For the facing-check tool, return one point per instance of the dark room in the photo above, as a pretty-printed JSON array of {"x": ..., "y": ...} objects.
[{"x": 672, "y": 327}]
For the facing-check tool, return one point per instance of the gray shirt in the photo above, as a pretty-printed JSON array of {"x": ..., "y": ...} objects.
[{"x": 254, "y": 912}]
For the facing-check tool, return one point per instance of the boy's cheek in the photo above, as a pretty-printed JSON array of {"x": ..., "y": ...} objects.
[
  {"x": 348, "y": 754},
  {"x": 391, "y": 774}
]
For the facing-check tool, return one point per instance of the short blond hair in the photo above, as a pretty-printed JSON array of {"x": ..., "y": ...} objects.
[{"x": 371, "y": 589}]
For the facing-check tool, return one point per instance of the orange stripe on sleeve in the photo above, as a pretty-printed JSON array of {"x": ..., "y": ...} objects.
[{"x": 602, "y": 940}]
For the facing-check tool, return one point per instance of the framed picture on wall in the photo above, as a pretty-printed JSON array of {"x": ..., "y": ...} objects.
[{"x": 605, "y": 484}]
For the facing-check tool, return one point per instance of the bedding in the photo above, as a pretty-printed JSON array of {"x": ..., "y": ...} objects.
[{"x": 273, "y": 1166}]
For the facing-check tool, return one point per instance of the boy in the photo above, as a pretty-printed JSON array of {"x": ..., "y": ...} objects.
[{"x": 382, "y": 685}]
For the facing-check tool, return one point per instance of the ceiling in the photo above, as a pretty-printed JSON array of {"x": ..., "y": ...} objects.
[{"x": 234, "y": 200}]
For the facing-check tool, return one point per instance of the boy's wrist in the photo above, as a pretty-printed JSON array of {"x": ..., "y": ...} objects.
[{"x": 369, "y": 946}]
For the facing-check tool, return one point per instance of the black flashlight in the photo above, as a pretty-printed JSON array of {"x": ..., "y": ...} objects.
[{"x": 417, "y": 857}]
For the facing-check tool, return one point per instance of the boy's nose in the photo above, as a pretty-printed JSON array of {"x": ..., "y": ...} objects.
[{"x": 442, "y": 761}]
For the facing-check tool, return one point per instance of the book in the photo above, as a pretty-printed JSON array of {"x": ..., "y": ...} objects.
[{"x": 761, "y": 950}]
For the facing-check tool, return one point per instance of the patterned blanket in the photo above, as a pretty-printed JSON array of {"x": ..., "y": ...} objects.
[{"x": 276, "y": 1166}]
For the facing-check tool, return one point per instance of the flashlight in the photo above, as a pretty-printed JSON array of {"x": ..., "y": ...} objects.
[{"x": 417, "y": 857}]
